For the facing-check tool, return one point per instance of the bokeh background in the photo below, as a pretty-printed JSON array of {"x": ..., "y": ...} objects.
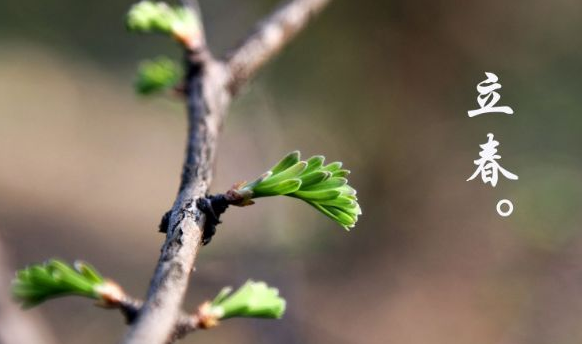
[{"x": 87, "y": 168}]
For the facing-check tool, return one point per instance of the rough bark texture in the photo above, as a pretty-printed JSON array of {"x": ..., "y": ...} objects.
[
  {"x": 209, "y": 86},
  {"x": 186, "y": 323},
  {"x": 207, "y": 102}
]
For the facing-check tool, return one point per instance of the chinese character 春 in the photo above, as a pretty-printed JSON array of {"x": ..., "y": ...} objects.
[
  {"x": 488, "y": 98},
  {"x": 487, "y": 165}
]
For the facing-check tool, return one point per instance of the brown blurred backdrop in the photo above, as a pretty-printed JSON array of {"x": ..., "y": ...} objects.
[{"x": 87, "y": 168}]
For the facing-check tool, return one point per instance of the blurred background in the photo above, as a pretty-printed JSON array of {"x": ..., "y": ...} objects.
[{"x": 87, "y": 168}]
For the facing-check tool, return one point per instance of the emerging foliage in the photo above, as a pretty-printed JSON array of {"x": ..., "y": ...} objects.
[
  {"x": 253, "y": 299},
  {"x": 325, "y": 187},
  {"x": 37, "y": 283},
  {"x": 158, "y": 17},
  {"x": 157, "y": 75}
]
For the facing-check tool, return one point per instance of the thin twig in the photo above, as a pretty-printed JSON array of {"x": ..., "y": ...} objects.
[
  {"x": 209, "y": 85},
  {"x": 268, "y": 38}
]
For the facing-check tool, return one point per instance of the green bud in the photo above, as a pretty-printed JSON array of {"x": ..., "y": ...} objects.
[
  {"x": 37, "y": 283},
  {"x": 325, "y": 187},
  {"x": 157, "y": 75},
  {"x": 252, "y": 300},
  {"x": 158, "y": 17}
]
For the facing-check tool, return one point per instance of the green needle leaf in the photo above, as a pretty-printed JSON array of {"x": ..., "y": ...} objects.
[
  {"x": 314, "y": 163},
  {"x": 343, "y": 217},
  {"x": 347, "y": 190},
  {"x": 313, "y": 178},
  {"x": 340, "y": 201},
  {"x": 333, "y": 183},
  {"x": 282, "y": 188},
  {"x": 320, "y": 195},
  {"x": 341, "y": 173},
  {"x": 289, "y": 173},
  {"x": 288, "y": 161},
  {"x": 325, "y": 211},
  {"x": 88, "y": 271},
  {"x": 334, "y": 166}
]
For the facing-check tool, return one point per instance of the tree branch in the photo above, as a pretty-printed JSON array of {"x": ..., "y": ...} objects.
[
  {"x": 209, "y": 85},
  {"x": 206, "y": 104},
  {"x": 186, "y": 323},
  {"x": 269, "y": 37}
]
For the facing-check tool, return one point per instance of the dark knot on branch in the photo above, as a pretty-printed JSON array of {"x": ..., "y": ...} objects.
[{"x": 212, "y": 206}]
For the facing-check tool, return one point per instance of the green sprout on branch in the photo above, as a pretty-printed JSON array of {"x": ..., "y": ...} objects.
[
  {"x": 54, "y": 278},
  {"x": 157, "y": 75},
  {"x": 325, "y": 187},
  {"x": 159, "y": 17},
  {"x": 252, "y": 300}
]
